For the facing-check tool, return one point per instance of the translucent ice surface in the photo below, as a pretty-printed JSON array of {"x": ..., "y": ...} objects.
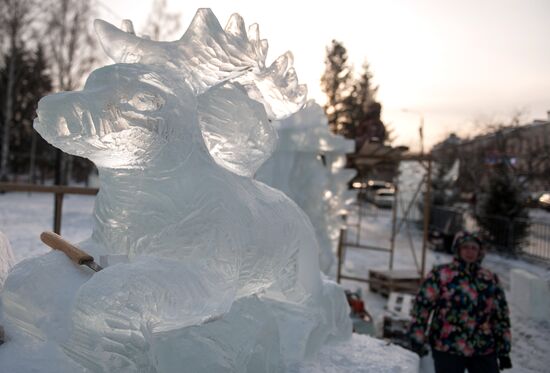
[
  {"x": 308, "y": 166},
  {"x": 6, "y": 258},
  {"x": 223, "y": 271}
]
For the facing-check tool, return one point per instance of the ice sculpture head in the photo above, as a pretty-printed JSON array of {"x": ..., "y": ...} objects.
[
  {"x": 123, "y": 117},
  {"x": 211, "y": 86}
]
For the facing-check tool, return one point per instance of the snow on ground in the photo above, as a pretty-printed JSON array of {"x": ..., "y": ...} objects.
[
  {"x": 539, "y": 215},
  {"x": 530, "y": 339},
  {"x": 23, "y": 216}
]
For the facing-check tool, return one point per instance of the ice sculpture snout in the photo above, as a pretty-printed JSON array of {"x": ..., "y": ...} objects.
[
  {"x": 49, "y": 119},
  {"x": 64, "y": 115}
]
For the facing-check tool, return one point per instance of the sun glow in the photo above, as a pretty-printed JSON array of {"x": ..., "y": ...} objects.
[{"x": 444, "y": 59}]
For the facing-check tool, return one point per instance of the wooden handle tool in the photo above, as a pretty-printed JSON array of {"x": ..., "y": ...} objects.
[{"x": 77, "y": 255}]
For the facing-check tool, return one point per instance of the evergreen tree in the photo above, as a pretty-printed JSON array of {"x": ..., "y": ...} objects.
[
  {"x": 364, "y": 93},
  {"x": 503, "y": 215},
  {"x": 15, "y": 19},
  {"x": 31, "y": 83},
  {"x": 351, "y": 107},
  {"x": 42, "y": 154},
  {"x": 336, "y": 83},
  {"x": 367, "y": 111}
]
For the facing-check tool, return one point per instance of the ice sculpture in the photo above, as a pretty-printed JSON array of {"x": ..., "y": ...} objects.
[
  {"x": 6, "y": 258},
  {"x": 223, "y": 272},
  {"x": 308, "y": 166}
]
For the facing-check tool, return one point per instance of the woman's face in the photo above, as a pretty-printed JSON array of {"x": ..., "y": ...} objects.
[{"x": 469, "y": 251}]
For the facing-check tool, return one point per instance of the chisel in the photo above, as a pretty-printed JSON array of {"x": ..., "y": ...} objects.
[{"x": 77, "y": 255}]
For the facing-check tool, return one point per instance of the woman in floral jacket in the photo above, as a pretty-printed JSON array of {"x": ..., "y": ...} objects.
[{"x": 470, "y": 326}]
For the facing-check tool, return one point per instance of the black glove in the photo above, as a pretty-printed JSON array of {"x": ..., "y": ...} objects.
[
  {"x": 504, "y": 362},
  {"x": 420, "y": 350}
]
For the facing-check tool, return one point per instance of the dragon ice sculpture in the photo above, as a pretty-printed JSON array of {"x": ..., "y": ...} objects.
[
  {"x": 318, "y": 185},
  {"x": 223, "y": 272}
]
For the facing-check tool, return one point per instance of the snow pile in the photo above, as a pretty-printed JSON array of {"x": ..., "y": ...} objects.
[
  {"x": 308, "y": 166},
  {"x": 6, "y": 258},
  {"x": 223, "y": 272},
  {"x": 530, "y": 294},
  {"x": 361, "y": 354}
]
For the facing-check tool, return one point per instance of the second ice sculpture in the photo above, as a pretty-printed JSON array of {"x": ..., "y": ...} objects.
[
  {"x": 224, "y": 271},
  {"x": 308, "y": 166}
]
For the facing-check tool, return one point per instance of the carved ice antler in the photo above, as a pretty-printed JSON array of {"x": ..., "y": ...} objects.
[{"x": 208, "y": 55}]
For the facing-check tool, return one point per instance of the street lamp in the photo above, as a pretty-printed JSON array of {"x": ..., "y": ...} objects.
[{"x": 420, "y": 128}]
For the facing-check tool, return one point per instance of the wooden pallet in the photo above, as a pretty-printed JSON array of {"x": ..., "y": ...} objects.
[{"x": 397, "y": 280}]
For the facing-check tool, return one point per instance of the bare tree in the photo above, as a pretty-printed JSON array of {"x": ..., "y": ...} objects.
[
  {"x": 490, "y": 146},
  {"x": 15, "y": 19},
  {"x": 71, "y": 49},
  {"x": 161, "y": 24},
  {"x": 70, "y": 41}
]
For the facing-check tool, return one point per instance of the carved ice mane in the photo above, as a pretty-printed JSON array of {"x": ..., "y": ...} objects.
[{"x": 208, "y": 55}]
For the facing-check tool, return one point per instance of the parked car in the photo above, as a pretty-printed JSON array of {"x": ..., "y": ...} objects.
[
  {"x": 373, "y": 186},
  {"x": 368, "y": 187},
  {"x": 359, "y": 184},
  {"x": 532, "y": 199},
  {"x": 384, "y": 197},
  {"x": 544, "y": 200}
]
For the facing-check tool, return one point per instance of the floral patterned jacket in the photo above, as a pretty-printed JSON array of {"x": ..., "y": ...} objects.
[{"x": 470, "y": 313}]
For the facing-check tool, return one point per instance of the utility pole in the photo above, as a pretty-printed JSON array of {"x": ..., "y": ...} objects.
[{"x": 420, "y": 127}]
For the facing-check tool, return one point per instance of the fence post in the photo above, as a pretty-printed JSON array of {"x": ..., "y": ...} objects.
[
  {"x": 511, "y": 246},
  {"x": 359, "y": 218},
  {"x": 340, "y": 250},
  {"x": 393, "y": 224},
  {"x": 58, "y": 206},
  {"x": 426, "y": 225}
]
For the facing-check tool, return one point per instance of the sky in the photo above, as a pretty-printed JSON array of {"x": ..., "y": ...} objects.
[{"x": 455, "y": 64}]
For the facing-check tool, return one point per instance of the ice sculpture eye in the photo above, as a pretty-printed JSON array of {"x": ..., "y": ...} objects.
[{"x": 146, "y": 101}]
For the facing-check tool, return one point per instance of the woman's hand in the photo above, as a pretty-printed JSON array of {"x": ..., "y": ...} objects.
[{"x": 504, "y": 362}]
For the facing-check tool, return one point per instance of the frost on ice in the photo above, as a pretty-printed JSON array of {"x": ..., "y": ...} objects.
[
  {"x": 308, "y": 166},
  {"x": 223, "y": 271}
]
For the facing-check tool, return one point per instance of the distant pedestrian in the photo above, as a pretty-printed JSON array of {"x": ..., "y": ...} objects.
[
  {"x": 470, "y": 324},
  {"x": 474, "y": 202}
]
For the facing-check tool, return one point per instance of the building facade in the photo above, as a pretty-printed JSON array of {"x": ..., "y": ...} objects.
[{"x": 526, "y": 149}]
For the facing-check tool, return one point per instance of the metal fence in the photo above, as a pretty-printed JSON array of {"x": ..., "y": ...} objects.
[
  {"x": 538, "y": 240},
  {"x": 527, "y": 237},
  {"x": 519, "y": 236}
]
